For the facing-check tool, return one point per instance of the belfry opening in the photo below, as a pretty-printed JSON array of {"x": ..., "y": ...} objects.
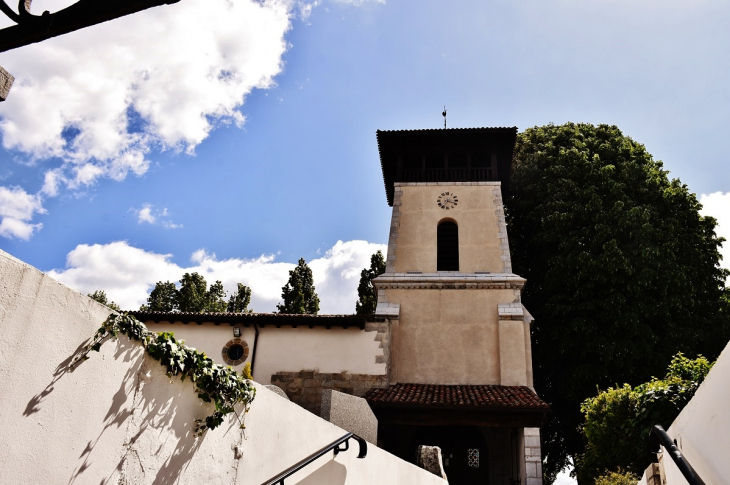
[{"x": 447, "y": 240}]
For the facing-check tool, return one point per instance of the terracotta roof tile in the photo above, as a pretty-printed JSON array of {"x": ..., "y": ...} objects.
[
  {"x": 261, "y": 319},
  {"x": 473, "y": 396}
]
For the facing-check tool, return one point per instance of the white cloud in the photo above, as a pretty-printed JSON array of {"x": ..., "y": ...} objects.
[
  {"x": 127, "y": 274},
  {"x": 170, "y": 225},
  {"x": 159, "y": 79},
  {"x": 51, "y": 180},
  {"x": 357, "y": 3},
  {"x": 13, "y": 228},
  {"x": 148, "y": 214},
  {"x": 145, "y": 215},
  {"x": 337, "y": 274},
  {"x": 185, "y": 69},
  {"x": 123, "y": 271},
  {"x": 717, "y": 205},
  {"x": 17, "y": 208},
  {"x": 305, "y": 9}
]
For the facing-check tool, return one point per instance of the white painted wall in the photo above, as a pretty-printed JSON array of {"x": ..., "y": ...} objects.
[
  {"x": 331, "y": 351},
  {"x": 207, "y": 337},
  {"x": 118, "y": 419},
  {"x": 287, "y": 349},
  {"x": 702, "y": 429}
]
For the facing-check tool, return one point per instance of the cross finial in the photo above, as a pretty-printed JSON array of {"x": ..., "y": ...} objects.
[{"x": 444, "y": 115}]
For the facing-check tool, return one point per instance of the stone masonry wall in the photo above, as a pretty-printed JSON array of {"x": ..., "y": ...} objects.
[
  {"x": 382, "y": 335},
  {"x": 305, "y": 387},
  {"x": 533, "y": 458}
]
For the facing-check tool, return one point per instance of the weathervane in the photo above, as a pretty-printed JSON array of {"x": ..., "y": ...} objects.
[
  {"x": 444, "y": 115},
  {"x": 31, "y": 28}
]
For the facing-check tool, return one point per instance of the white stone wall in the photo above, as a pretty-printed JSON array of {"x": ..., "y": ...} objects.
[
  {"x": 288, "y": 349},
  {"x": 118, "y": 419},
  {"x": 702, "y": 429}
]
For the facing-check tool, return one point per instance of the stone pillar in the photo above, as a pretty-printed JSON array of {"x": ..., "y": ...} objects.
[
  {"x": 532, "y": 457},
  {"x": 512, "y": 346},
  {"x": 652, "y": 475},
  {"x": 6, "y": 82},
  {"x": 350, "y": 413},
  {"x": 429, "y": 458}
]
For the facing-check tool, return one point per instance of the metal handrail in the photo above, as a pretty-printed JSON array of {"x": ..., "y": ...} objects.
[
  {"x": 335, "y": 445},
  {"x": 659, "y": 438}
]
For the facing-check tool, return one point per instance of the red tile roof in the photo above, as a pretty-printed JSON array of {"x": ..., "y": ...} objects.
[
  {"x": 467, "y": 396},
  {"x": 260, "y": 319}
]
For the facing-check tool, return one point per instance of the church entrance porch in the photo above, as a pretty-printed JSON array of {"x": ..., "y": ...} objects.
[
  {"x": 488, "y": 434},
  {"x": 471, "y": 454}
]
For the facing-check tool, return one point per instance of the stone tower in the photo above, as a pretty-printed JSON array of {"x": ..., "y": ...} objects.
[{"x": 460, "y": 355}]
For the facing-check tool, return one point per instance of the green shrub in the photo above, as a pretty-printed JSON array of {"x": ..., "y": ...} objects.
[
  {"x": 618, "y": 420},
  {"x": 619, "y": 477}
]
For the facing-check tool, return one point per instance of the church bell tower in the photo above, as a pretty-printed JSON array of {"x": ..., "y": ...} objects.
[{"x": 460, "y": 370}]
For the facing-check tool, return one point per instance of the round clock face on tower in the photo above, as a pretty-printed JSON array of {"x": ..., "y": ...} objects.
[{"x": 447, "y": 200}]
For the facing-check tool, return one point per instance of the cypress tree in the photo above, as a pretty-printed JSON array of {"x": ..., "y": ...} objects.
[
  {"x": 298, "y": 294},
  {"x": 367, "y": 295}
]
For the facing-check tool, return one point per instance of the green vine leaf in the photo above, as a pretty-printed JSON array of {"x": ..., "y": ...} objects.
[{"x": 213, "y": 383}]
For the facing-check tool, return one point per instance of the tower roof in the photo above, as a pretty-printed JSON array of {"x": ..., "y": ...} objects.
[{"x": 445, "y": 155}]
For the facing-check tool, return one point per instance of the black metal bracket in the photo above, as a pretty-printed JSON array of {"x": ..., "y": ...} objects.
[
  {"x": 338, "y": 449},
  {"x": 32, "y": 28}
]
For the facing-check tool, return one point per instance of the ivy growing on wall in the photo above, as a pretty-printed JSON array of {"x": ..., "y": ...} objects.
[{"x": 214, "y": 383}]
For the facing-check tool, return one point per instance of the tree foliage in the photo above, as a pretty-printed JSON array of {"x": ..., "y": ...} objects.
[
  {"x": 163, "y": 298},
  {"x": 192, "y": 296},
  {"x": 100, "y": 296},
  {"x": 622, "y": 271},
  {"x": 239, "y": 301},
  {"x": 367, "y": 295},
  {"x": 298, "y": 294},
  {"x": 619, "y": 477},
  {"x": 216, "y": 298},
  {"x": 618, "y": 420}
]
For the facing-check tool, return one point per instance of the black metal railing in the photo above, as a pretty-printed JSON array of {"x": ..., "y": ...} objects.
[
  {"x": 335, "y": 446},
  {"x": 660, "y": 437}
]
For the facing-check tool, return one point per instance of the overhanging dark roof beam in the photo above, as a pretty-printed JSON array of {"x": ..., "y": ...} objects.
[{"x": 30, "y": 28}]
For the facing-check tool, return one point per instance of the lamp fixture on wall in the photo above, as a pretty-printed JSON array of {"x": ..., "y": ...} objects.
[{"x": 236, "y": 331}]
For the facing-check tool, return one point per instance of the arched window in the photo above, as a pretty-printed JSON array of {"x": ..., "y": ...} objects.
[{"x": 447, "y": 240}]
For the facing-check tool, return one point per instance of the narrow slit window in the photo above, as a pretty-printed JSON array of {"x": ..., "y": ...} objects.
[{"x": 447, "y": 239}]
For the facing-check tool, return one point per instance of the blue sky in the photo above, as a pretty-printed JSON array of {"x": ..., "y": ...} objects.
[{"x": 234, "y": 138}]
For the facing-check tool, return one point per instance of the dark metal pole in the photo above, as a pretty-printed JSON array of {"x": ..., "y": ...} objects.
[
  {"x": 255, "y": 346},
  {"x": 84, "y": 13},
  {"x": 660, "y": 437}
]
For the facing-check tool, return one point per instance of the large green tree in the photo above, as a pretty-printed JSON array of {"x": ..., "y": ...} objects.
[
  {"x": 192, "y": 296},
  {"x": 367, "y": 295},
  {"x": 622, "y": 271},
  {"x": 298, "y": 294},
  {"x": 193, "y": 293},
  {"x": 163, "y": 298}
]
